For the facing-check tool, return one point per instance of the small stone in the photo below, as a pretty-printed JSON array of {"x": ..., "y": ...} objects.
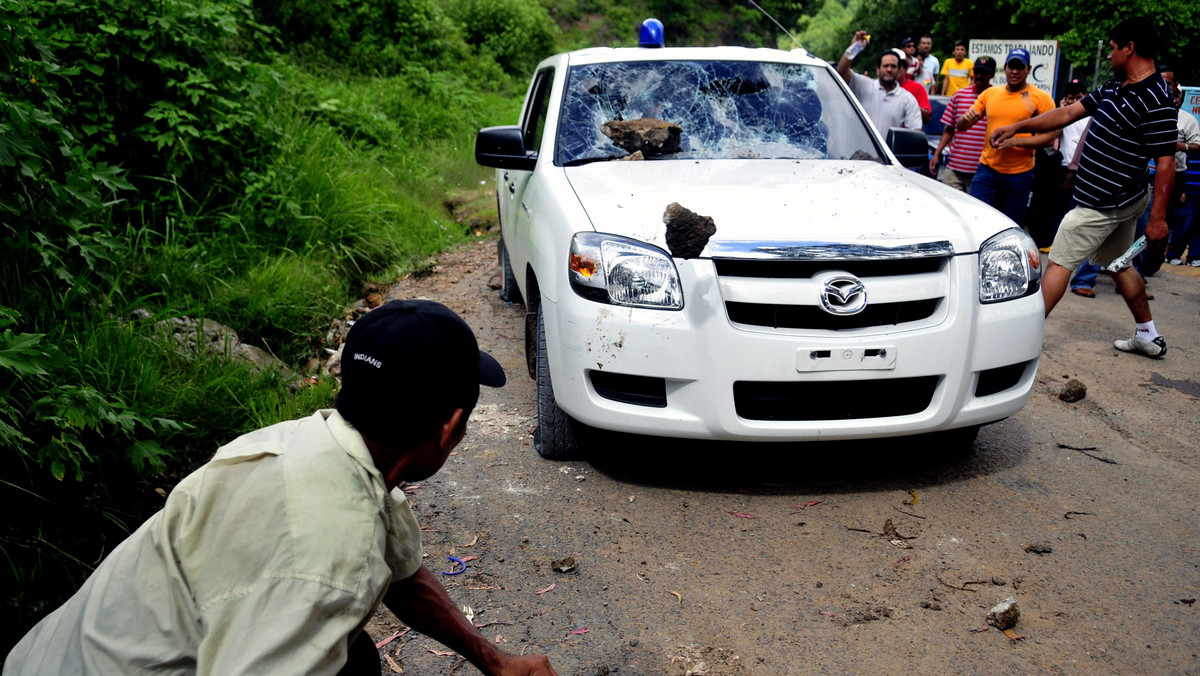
[
  {"x": 1039, "y": 548},
  {"x": 819, "y": 585},
  {"x": 1073, "y": 391},
  {"x": 998, "y": 581},
  {"x": 1005, "y": 614},
  {"x": 633, "y": 642},
  {"x": 564, "y": 565}
]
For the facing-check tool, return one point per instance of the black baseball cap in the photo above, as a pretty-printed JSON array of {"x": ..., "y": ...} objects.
[
  {"x": 907, "y": 41},
  {"x": 411, "y": 363},
  {"x": 985, "y": 63}
]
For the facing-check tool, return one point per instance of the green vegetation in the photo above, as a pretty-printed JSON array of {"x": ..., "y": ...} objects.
[
  {"x": 210, "y": 160},
  {"x": 257, "y": 162}
]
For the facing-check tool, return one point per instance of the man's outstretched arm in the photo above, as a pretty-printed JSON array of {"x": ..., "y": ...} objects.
[
  {"x": 422, "y": 603},
  {"x": 1052, "y": 120}
]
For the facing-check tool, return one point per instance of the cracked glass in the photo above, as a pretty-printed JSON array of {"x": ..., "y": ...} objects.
[{"x": 726, "y": 110}]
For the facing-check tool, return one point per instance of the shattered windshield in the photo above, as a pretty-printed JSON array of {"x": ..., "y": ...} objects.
[{"x": 707, "y": 110}]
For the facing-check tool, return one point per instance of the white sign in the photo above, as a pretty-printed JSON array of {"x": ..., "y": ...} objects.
[
  {"x": 1043, "y": 60},
  {"x": 1191, "y": 104}
]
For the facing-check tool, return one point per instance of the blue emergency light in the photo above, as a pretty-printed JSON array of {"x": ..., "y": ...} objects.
[{"x": 651, "y": 34}]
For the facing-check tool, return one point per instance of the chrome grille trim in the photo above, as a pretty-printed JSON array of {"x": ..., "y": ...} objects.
[{"x": 832, "y": 251}]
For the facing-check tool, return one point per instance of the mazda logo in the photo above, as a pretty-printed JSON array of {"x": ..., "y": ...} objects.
[{"x": 843, "y": 294}]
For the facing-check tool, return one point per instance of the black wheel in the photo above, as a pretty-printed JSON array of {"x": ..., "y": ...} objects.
[
  {"x": 554, "y": 437},
  {"x": 509, "y": 292}
]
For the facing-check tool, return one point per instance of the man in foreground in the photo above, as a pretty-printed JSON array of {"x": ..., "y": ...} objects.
[
  {"x": 1133, "y": 121},
  {"x": 884, "y": 100},
  {"x": 271, "y": 558}
]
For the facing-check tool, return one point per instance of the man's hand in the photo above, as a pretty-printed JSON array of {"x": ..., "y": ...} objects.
[
  {"x": 933, "y": 162},
  {"x": 1068, "y": 182},
  {"x": 1156, "y": 229},
  {"x": 1002, "y": 135},
  {"x": 969, "y": 118},
  {"x": 525, "y": 665}
]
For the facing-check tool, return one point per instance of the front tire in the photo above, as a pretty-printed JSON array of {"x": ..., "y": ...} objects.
[{"x": 554, "y": 437}]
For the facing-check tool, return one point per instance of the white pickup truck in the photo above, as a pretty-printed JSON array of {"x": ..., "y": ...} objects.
[{"x": 716, "y": 243}]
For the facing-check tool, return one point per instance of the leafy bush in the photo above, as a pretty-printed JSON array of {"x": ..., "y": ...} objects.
[
  {"x": 377, "y": 37},
  {"x": 517, "y": 34}
]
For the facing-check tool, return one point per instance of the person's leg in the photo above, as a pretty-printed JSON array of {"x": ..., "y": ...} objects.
[
  {"x": 1142, "y": 221},
  {"x": 1018, "y": 188},
  {"x": 1185, "y": 230},
  {"x": 1054, "y": 284},
  {"x": 983, "y": 186},
  {"x": 1133, "y": 289}
]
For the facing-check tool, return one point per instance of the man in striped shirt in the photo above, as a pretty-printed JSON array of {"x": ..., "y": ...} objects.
[
  {"x": 1133, "y": 121},
  {"x": 965, "y": 146}
]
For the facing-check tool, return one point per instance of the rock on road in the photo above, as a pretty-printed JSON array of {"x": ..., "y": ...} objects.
[{"x": 729, "y": 559}]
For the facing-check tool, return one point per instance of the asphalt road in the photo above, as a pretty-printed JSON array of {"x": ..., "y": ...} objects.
[{"x": 723, "y": 559}]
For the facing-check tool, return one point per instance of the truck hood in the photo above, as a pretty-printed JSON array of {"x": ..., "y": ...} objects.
[{"x": 778, "y": 201}]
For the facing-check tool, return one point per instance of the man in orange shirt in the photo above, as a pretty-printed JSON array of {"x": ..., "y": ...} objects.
[{"x": 1005, "y": 175}]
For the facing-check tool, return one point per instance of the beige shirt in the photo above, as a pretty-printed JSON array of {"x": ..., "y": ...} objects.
[{"x": 266, "y": 560}]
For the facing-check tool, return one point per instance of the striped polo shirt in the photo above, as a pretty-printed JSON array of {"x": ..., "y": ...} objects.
[
  {"x": 965, "y": 146},
  {"x": 1131, "y": 124}
]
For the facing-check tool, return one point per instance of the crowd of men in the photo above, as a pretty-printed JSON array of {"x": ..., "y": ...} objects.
[{"x": 1110, "y": 163}]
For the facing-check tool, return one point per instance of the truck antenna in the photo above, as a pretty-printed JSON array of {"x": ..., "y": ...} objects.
[{"x": 768, "y": 15}]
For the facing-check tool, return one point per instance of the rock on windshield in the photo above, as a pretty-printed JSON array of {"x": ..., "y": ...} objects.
[{"x": 726, "y": 109}]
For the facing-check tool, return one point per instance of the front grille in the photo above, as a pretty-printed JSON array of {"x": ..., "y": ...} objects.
[
  {"x": 777, "y": 269},
  {"x": 833, "y": 400},
  {"x": 785, "y": 294},
  {"x": 813, "y": 317}
]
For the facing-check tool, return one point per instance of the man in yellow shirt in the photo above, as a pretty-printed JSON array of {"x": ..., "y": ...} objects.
[
  {"x": 1005, "y": 175},
  {"x": 957, "y": 71}
]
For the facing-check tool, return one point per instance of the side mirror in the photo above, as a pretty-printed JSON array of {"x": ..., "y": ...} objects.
[
  {"x": 910, "y": 146},
  {"x": 503, "y": 148}
]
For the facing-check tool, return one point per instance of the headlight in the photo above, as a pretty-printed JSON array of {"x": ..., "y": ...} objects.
[
  {"x": 1009, "y": 267},
  {"x": 622, "y": 271}
]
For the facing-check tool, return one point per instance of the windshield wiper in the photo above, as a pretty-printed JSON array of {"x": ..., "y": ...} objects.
[{"x": 588, "y": 160}]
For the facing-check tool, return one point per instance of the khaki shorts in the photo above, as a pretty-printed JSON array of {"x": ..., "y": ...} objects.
[
  {"x": 960, "y": 180},
  {"x": 1097, "y": 235}
]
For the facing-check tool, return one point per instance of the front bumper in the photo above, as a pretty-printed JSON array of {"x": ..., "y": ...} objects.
[{"x": 966, "y": 364}]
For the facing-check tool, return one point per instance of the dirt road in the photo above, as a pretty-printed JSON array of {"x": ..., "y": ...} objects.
[{"x": 724, "y": 559}]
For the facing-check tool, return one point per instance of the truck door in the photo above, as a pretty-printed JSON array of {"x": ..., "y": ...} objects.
[{"x": 533, "y": 126}]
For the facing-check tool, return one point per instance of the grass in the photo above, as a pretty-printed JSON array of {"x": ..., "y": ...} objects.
[{"x": 353, "y": 194}]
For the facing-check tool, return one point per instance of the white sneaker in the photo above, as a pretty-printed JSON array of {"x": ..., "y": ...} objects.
[
  {"x": 1155, "y": 349},
  {"x": 1176, "y": 261},
  {"x": 1194, "y": 263}
]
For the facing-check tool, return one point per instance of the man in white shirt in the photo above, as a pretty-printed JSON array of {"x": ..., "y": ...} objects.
[
  {"x": 884, "y": 100},
  {"x": 271, "y": 557},
  {"x": 930, "y": 67}
]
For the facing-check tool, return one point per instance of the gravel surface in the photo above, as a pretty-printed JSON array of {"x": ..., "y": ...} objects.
[{"x": 729, "y": 559}]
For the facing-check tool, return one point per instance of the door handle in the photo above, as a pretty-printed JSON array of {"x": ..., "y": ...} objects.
[
  {"x": 506, "y": 175},
  {"x": 512, "y": 187}
]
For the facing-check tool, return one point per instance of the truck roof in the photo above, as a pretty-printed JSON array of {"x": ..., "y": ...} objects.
[{"x": 593, "y": 55}]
